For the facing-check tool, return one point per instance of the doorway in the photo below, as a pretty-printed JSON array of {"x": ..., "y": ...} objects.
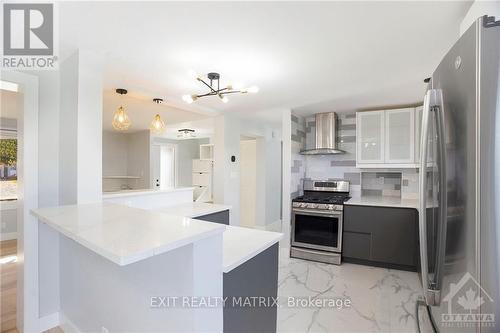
[
  {"x": 164, "y": 166},
  {"x": 25, "y": 248}
]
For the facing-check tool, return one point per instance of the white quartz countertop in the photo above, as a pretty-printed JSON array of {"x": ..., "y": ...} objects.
[
  {"x": 239, "y": 244},
  {"x": 130, "y": 193},
  {"x": 382, "y": 201},
  {"x": 242, "y": 244},
  {"x": 124, "y": 234},
  {"x": 193, "y": 209}
]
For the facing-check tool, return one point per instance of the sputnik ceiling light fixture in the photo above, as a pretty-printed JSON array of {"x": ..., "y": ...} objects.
[
  {"x": 216, "y": 90},
  {"x": 121, "y": 121},
  {"x": 157, "y": 125}
]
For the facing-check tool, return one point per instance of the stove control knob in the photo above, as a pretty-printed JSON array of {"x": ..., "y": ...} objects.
[
  {"x": 313, "y": 205},
  {"x": 303, "y": 205},
  {"x": 331, "y": 207},
  {"x": 296, "y": 204}
]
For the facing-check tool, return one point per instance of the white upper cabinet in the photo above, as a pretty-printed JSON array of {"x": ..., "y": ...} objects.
[
  {"x": 388, "y": 138},
  {"x": 370, "y": 137},
  {"x": 400, "y": 136}
]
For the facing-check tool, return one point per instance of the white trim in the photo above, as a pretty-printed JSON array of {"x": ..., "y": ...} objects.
[
  {"x": 27, "y": 226},
  {"x": 8, "y": 236},
  {"x": 48, "y": 322},
  {"x": 387, "y": 166}
]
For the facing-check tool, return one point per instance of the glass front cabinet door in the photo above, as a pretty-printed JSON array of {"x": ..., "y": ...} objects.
[
  {"x": 400, "y": 136},
  {"x": 370, "y": 137}
]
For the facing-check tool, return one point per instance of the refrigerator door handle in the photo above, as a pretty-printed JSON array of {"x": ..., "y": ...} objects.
[
  {"x": 443, "y": 195},
  {"x": 432, "y": 103}
]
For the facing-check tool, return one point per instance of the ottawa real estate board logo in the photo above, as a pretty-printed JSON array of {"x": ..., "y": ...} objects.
[
  {"x": 28, "y": 36},
  {"x": 469, "y": 305}
]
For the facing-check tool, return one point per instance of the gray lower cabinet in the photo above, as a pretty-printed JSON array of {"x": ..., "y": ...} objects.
[
  {"x": 219, "y": 217},
  {"x": 244, "y": 287},
  {"x": 381, "y": 236}
]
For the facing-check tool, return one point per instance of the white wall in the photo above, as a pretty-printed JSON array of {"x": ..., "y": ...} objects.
[
  {"x": 479, "y": 9},
  {"x": 248, "y": 188},
  {"x": 226, "y": 173},
  {"x": 138, "y": 158},
  {"x": 228, "y": 131},
  {"x": 48, "y": 190},
  {"x": 286, "y": 132},
  {"x": 114, "y": 154}
]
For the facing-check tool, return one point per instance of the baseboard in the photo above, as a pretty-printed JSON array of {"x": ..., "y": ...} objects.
[
  {"x": 47, "y": 322},
  {"x": 8, "y": 236},
  {"x": 67, "y": 325}
]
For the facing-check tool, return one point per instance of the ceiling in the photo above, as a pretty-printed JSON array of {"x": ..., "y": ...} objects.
[
  {"x": 141, "y": 109},
  {"x": 308, "y": 56}
]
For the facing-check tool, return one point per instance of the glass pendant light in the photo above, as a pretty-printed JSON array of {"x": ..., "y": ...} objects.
[
  {"x": 157, "y": 125},
  {"x": 121, "y": 121}
]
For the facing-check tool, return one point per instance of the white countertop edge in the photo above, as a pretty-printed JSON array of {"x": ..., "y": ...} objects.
[
  {"x": 193, "y": 209},
  {"x": 390, "y": 202},
  {"x": 126, "y": 260},
  {"x": 252, "y": 254},
  {"x": 133, "y": 193}
]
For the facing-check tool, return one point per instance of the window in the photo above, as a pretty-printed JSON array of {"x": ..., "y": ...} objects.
[{"x": 8, "y": 163}]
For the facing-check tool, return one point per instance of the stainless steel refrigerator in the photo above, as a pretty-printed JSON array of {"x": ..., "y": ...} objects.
[{"x": 459, "y": 215}]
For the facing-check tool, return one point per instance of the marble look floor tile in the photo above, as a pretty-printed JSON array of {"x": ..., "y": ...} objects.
[{"x": 382, "y": 300}]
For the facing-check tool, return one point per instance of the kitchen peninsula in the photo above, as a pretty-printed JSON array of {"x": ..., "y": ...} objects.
[{"x": 114, "y": 258}]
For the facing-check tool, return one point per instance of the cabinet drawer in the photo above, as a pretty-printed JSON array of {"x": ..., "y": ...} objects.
[
  {"x": 202, "y": 166},
  {"x": 201, "y": 179},
  {"x": 383, "y": 236}
]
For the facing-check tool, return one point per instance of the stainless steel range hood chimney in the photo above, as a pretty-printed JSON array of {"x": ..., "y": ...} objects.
[{"x": 326, "y": 135}]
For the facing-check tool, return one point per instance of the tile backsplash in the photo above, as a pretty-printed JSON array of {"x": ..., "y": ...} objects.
[
  {"x": 386, "y": 184},
  {"x": 343, "y": 166}
]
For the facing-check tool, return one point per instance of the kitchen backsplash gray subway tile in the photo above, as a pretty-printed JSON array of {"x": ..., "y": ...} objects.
[
  {"x": 346, "y": 127},
  {"x": 298, "y": 136},
  {"x": 297, "y": 166},
  {"x": 368, "y": 192},
  {"x": 343, "y": 163},
  {"x": 353, "y": 177},
  {"x": 388, "y": 183}
]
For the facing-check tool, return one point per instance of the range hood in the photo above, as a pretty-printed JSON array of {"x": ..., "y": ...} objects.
[{"x": 326, "y": 135}]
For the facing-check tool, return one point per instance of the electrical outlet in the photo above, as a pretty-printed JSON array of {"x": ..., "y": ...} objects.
[{"x": 104, "y": 330}]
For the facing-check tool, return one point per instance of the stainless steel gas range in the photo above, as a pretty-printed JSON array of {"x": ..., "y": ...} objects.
[{"x": 317, "y": 221}]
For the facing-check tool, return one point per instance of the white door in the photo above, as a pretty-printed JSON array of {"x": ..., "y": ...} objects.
[
  {"x": 400, "y": 136},
  {"x": 155, "y": 167},
  {"x": 167, "y": 167},
  {"x": 370, "y": 137},
  {"x": 163, "y": 169}
]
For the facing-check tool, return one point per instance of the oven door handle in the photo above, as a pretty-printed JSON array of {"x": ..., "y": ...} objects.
[{"x": 317, "y": 213}]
